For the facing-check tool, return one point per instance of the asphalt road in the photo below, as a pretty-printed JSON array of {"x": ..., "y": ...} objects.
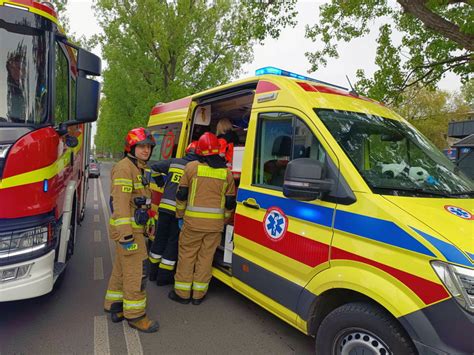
[{"x": 70, "y": 320}]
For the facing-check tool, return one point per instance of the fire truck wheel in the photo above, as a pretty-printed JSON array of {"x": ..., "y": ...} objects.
[
  {"x": 362, "y": 328},
  {"x": 72, "y": 232}
]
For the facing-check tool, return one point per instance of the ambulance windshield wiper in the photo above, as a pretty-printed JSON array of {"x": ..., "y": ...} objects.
[
  {"x": 467, "y": 193},
  {"x": 414, "y": 190}
]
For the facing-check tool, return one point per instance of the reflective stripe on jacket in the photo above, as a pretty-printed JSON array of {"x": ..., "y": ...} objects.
[
  {"x": 127, "y": 183},
  {"x": 173, "y": 169},
  {"x": 204, "y": 208}
]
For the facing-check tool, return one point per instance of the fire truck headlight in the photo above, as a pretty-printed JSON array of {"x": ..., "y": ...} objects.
[
  {"x": 23, "y": 241},
  {"x": 459, "y": 281},
  {"x": 4, "y": 243}
]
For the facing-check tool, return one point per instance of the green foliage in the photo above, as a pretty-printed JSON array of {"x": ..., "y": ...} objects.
[
  {"x": 159, "y": 50},
  {"x": 430, "y": 111},
  {"x": 437, "y": 37}
]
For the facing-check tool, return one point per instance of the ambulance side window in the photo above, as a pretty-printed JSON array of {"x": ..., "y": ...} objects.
[
  {"x": 282, "y": 137},
  {"x": 166, "y": 138}
]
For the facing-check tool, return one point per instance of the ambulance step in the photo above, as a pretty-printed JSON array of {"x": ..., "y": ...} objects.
[{"x": 58, "y": 269}]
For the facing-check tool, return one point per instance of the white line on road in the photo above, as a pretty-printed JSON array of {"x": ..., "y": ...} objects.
[
  {"x": 97, "y": 236},
  {"x": 98, "y": 268},
  {"x": 134, "y": 345},
  {"x": 101, "y": 336},
  {"x": 96, "y": 206},
  {"x": 105, "y": 210},
  {"x": 95, "y": 189},
  {"x": 132, "y": 338},
  {"x": 96, "y": 218}
]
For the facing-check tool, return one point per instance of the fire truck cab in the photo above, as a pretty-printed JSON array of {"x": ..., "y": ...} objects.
[{"x": 47, "y": 101}]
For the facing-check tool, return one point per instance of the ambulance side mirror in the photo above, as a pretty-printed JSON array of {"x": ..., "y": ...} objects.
[{"x": 305, "y": 180}]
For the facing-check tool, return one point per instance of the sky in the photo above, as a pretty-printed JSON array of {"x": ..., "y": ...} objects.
[{"x": 287, "y": 52}]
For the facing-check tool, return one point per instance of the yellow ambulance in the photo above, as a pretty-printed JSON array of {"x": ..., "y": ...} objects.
[{"x": 350, "y": 225}]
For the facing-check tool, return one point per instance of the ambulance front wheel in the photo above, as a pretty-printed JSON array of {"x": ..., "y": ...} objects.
[{"x": 362, "y": 328}]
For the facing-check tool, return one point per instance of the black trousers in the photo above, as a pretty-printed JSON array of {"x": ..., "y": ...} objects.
[
  {"x": 166, "y": 245},
  {"x": 166, "y": 237}
]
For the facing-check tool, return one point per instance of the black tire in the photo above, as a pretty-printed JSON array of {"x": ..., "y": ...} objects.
[{"x": 362, "y": 328}]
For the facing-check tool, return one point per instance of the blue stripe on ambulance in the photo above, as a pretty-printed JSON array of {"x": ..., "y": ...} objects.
[
  {"x": 470, "y": 255},
  {"x": 450, "y": 252},
  {"x": 368, "y": 227}
]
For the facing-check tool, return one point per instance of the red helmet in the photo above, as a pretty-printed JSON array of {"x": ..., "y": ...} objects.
[
  {"x": 138, "y": 136},
  {"x": 192, "y": 147},
  {"x": 208, "y": 144}
]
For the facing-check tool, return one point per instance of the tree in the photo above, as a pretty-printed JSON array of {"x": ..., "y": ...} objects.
[
  {"x": 160, "y": 50},
  {"x": 437, "y": 37},
  {"x": 431, "y": 110}
]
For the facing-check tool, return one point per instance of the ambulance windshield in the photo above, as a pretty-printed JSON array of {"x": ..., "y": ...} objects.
[
  {"x": 23, "y": 74},
  {"x": 393, "y": 157}
]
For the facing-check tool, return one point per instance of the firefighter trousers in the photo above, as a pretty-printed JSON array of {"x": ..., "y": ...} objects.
[
  {"x": 164, "y": 250},
  {"x": 196, "y": 252},
  {"x": 126, "y": 289}
]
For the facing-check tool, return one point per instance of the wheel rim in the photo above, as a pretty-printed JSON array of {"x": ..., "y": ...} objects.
[{"x": 359, "y": 342}]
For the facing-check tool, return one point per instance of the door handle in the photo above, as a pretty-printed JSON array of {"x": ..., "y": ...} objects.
[{"x": 251, "y": 203}]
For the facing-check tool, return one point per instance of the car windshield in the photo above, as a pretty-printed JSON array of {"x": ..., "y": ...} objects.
[
  {"x": 393, "y": 157},
  {"x": 23, "y": 74}
]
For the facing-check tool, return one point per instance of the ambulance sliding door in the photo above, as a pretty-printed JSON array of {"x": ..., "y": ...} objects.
[{"x": 279, "y": 243}]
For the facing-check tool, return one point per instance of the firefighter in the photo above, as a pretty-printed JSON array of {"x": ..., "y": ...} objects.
[
  {"x": 205, "y": 198},
  {"x": 130, "y": 200},
  {"x": 164, "y": 250}
]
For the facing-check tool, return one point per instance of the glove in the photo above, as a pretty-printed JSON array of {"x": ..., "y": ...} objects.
[
  {"x": 128, "y": 244},
  {"x": 180, "y": 223}
]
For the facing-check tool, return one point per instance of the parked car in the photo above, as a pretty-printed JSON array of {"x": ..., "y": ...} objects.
[{"x": 94, "y": 168}]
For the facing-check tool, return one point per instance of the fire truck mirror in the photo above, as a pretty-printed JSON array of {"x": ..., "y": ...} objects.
[
  {"x": 88, "y": 63},
  {"x": 87, "y": 102},
  {"x": 71, "y": 141}
]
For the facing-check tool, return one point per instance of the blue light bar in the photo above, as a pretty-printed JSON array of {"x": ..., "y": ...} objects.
[
  {"x": 281, "y": 72},
  {"x": 45, "y": 185}
]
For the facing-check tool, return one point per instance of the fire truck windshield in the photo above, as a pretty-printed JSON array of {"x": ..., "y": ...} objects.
[{"x": 23, "y": 74}]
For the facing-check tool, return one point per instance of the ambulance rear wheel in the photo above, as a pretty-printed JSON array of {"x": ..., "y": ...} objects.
[{"x": 362, "y": 328}]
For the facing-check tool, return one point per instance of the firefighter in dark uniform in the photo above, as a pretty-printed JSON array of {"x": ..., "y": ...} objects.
[
  {"x": 205, "y": 199},
  {"x": 129, "y": 200},
  {"x": 164, "y": 250}
]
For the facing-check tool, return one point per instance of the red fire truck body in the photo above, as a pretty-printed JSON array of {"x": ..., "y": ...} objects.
[{"x": 47, "y": 102}]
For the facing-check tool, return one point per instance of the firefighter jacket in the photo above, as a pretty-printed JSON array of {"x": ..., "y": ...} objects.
[
  {"x": 173, "y": 169},
  {"x": 205, "y": 197},
  {"x": 128, "y": 182}
]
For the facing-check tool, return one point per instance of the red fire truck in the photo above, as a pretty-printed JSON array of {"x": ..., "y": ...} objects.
[{"x": 47, "y": 101}]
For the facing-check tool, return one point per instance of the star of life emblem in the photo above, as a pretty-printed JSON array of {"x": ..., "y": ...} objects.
[
  {"x": 459, "y": 212},
  {"x": 275, "y": 223}
]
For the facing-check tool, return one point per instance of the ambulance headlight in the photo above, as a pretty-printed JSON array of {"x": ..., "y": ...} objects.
[{"x": 459, "y": 281}]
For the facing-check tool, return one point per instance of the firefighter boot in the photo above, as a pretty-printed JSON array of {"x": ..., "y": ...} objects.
[
  {"x": 164, "y": 277},
  {"x": 116, "y": 312},
  {"x": 117, "y": 317},
  {"x": 144, "y": 324},
  {"x": 174, "y": 297},
  {"x": 153, "y": 271}
]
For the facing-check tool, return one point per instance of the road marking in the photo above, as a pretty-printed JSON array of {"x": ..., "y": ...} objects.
[
  {"x": 134, "y": 345},
  {"x": 98, "y": 268},
  {"x": 95, "y": 189},
  {"x": 101, "y": 336},
  {"x": 97, "y": 236},
  {"x": 96, "y": 218},
  {"x": 105, "y": 210},
  {"x": 132, "y": 338},
  {"x": 96, "y": 206}
]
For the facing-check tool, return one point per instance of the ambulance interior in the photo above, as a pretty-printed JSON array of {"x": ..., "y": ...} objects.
[{"x": 236, "y": 107}]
